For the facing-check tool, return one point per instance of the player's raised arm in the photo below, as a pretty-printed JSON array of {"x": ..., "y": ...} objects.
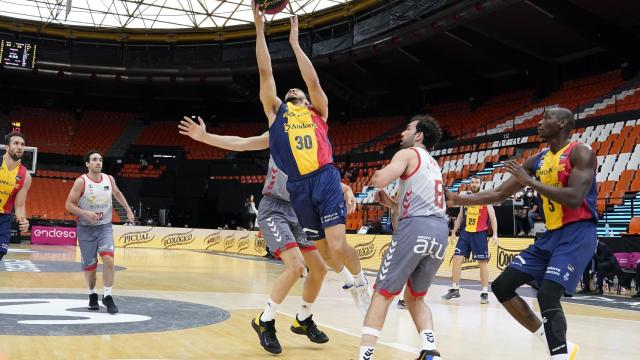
[
  {"x": 199, "y": 132},
  {"x": 317, "y": 96},
  {"x": 268, "y": 92}
]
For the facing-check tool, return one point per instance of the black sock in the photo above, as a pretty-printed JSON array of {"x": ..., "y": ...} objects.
[{"x": 2, "y": 255}]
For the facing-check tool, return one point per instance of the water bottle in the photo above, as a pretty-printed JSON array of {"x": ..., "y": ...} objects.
[{"x": 607, "y": 230}]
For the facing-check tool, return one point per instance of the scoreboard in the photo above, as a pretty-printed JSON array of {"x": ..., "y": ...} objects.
[{"x": 17, "y": 54}]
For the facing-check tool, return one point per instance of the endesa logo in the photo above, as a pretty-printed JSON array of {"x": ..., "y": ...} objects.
[{"x": 55, "y": 233}]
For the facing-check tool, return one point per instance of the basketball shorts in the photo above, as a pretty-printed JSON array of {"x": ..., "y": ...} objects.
[
  {"x": 318, "y": 201},
  {"x": 280, "y": 228},
  {"x": 5, "y": 233},
  {"x": 414, "y": 256},
  {"x": 93, "y": 241},
  {"x": 560, "y": 255},
  {"x": 473, "y": 242}
]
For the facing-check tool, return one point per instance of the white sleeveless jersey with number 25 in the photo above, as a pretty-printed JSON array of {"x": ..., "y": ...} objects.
[
  {"x": 96, "y": 197},
  {"x": 422, "y": 193}
]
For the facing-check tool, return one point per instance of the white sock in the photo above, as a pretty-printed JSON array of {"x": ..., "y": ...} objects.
[
  {"x": 485, "y": 289},
  {"x": 560, "y": 357},
  {"x": 428, "y": 339},
  {"x": 347, "y": 277},
  {"x": 305, "y": 311},
  {"x": 366, "y": 353},
  {"x": 455, "y": 286},
  {"x": 269, "y": 311},
  {"x": 360, "y": 279},
  {"x": 107, "y": 291},
  {"x": 93, "y": 291},
  {"x": 540, "y": 335}
]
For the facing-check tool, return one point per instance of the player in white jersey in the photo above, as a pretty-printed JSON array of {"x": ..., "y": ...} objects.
[
  {"x": 90, "y": 199},
  {"x": 419, "y": 239}
]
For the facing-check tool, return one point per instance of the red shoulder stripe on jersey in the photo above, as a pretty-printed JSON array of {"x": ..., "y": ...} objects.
[{"x": 417, "y": 167}]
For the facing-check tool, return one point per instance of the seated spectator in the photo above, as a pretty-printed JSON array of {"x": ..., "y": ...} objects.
[
  {"x": 603, "y": 264},
  {"x": 531, "y": 210}
]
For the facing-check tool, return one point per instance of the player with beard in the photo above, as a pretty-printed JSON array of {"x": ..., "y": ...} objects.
[
  {"x": 473, "y": 238},
  {"x": 90, "y": 199},
  {"x": 419, "y": 239},
  {"x": 300, "y": 147},
  {"x": 15, "y": 182}
]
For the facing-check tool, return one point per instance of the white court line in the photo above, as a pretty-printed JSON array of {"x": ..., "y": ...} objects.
[{"x": 348, "y": 332}]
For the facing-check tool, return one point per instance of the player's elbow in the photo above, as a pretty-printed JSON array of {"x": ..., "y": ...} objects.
[{"x": 378, "y": 180}]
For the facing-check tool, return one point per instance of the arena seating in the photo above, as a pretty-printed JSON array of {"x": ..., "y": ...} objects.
[
  {"x": 58, "y": 132},
  {"x": 346, "y": 136}
]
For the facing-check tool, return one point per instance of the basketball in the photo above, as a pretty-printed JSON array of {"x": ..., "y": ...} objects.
[{"x": 271, "y": 6}]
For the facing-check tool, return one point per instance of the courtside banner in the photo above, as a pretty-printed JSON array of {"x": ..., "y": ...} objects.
[
  {"x": 232, "y": 241},
  {"x": 53, "y": 235},
  {"x": 370, "y": 248}
]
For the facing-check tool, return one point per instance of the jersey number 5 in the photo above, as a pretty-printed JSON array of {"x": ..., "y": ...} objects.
[{"x": 438, "y": 198}]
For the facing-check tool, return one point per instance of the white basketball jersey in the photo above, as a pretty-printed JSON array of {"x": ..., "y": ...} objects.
[
  {"x": 422, "y": 192},
  {"x": 96, "y": 198}
]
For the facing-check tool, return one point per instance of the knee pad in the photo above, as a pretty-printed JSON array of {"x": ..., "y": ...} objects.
[
  {"x": 505, "y": 285},
  {"x": 502, "y": 290}
]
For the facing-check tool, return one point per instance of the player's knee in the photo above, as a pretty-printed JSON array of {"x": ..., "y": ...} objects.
[
  {"x": 296, "y": 267},
  {"x": 503, "y": 289},
  {"x": 319, "y": 271},
  {"x": 107, "y": 261},
  {"x": 410, "y": 299}
]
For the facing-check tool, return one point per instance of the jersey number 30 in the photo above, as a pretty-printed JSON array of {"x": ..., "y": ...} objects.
[{"x": 305, "y": 142}]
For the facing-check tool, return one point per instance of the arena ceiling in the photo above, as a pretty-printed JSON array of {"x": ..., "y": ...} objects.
[{"x": 151, "y": 14}]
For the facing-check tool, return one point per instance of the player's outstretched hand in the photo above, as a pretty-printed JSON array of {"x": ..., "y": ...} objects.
[
  {"x": 518, "y": 172},
  {"x": 258, "y": 16},
  {"x": 191, "y": 129}
]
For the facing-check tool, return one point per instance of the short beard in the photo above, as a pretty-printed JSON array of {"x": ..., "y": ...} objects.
[
  {"x": 475, "y": 190},
  {"x": 14, "y": 156},
  {"x": 405, "y": 145}
]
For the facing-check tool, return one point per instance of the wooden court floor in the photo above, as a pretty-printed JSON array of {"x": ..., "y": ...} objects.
[{"x": 180, "y": 304}]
